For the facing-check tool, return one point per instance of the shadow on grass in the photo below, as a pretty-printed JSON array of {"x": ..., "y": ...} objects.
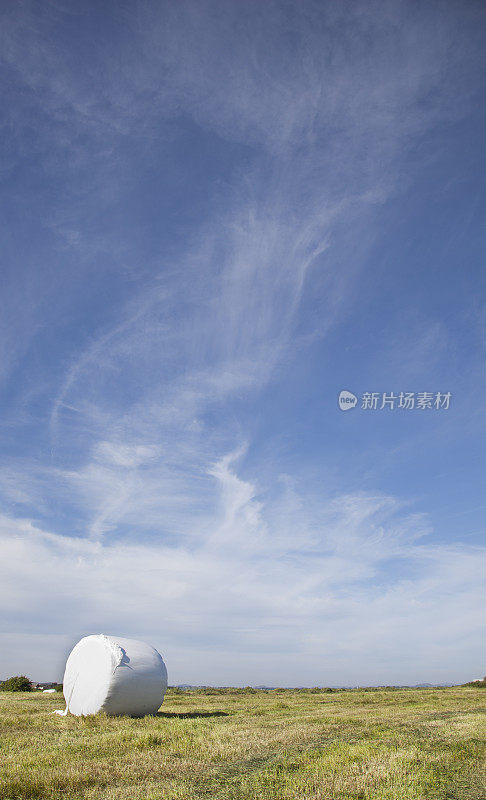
[{"x": 190, "y": 714}]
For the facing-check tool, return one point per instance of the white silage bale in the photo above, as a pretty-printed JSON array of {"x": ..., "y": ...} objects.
[{"x": 114, "y": 675}]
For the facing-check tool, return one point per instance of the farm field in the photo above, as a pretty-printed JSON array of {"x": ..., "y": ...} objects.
[{"x": 236, "y": 744}]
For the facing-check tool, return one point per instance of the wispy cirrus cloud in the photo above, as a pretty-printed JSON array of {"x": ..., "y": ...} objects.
[{"x": 326, "y": 598}]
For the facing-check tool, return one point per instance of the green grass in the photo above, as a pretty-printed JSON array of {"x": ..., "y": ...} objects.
[{"x": 232, "y": 745}]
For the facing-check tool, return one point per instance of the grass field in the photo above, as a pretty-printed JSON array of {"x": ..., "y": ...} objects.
[{"x": 228, "y": 745}]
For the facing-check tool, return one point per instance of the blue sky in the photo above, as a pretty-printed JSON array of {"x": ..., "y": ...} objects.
[{"x": 217, "y": 216}]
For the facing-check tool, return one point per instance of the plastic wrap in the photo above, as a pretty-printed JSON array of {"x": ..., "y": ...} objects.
[{"x": 114, "y": 675}]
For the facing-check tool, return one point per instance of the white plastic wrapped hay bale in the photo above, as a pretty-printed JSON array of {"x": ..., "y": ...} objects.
[{"x": 114, "y": 675}]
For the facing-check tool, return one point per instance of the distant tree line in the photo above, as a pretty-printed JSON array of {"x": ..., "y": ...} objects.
[
  {"x": 478, "y": 683},
  {"x": 19, "y": 683}
]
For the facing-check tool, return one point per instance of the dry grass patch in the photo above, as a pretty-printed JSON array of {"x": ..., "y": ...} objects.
[{"x": 223, "y": 745}]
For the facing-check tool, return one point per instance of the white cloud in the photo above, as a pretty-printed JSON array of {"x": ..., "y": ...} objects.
[{"x": 345, "y": 601}]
